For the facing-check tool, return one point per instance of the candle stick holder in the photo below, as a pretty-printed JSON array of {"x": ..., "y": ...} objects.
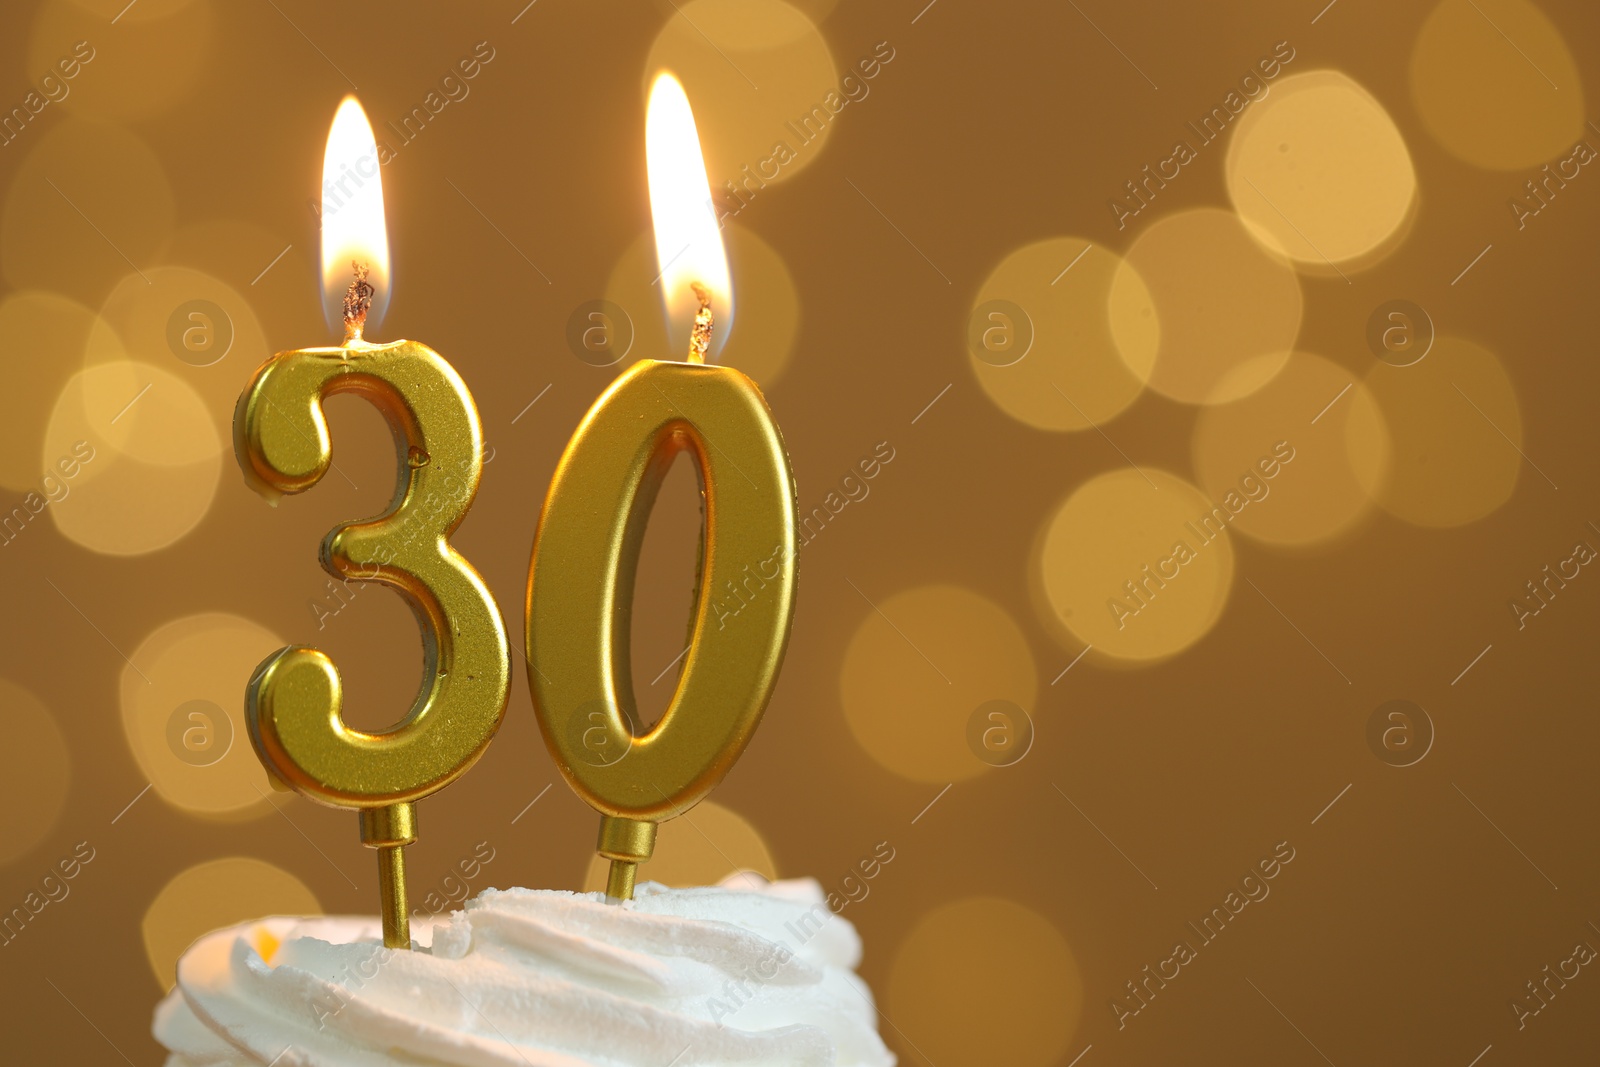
[
  {"x": 294, "y": 702},
  {"x": 580, "y": 594}
]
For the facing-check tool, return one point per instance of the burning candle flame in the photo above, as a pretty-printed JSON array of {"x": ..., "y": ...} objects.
[
  {"x": 689, "y": 253},
  {"x": 355, "y": 240}
]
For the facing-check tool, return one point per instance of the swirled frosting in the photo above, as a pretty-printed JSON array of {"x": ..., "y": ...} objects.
[{"x": 743, "y": 973}]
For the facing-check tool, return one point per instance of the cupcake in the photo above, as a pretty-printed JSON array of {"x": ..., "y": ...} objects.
[{"x": 742, "y": 973}]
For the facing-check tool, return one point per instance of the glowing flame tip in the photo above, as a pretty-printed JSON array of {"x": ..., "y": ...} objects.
[
  {"x": 689, "y": 249},
  {"x": 355, "y": 238}
]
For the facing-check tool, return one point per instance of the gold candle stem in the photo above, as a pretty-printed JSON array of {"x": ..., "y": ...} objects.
[
  {"x": 619, "y": 881},
  {"x": 390, "y": 829},
  {"x": 392, "y": 896},
  {"x": 626, "y": 843}
]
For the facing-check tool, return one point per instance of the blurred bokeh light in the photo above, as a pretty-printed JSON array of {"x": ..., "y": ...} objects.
[
  {"x": 46, "y": 335},
  {"x": 1442, "y": 446},
  {"x": 1039, "y": 336},
  {"x": 183, "y": 713},
  {"x": 1312, "y": 405},
  {"x": 1320, "y": 168},
  {"x": 194, "y": 325},
  {"x": 919, "y": 664},
  {"x": 89, "y": 201},
  {"x": 969, "y": 974},
  {"x": 758, "y": 75},
  {"x": 154, "y": 457},
  {"x": 1494, "y": 82},
  {"x": 214, "y": 894},
  {"x": 1221, "y": 301},
  {"x": 1138, "y": 563}
]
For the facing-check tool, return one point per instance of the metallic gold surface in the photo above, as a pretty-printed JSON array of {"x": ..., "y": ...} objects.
[
  {"x": 580, "y": 595},
  {"x": 388, "y": 826},
  {"x": 392, "y": 901},
  {"x": 626, "y": 843},
  {"x": 294, "y": 701},
  {"x": 620, "y": 879}
]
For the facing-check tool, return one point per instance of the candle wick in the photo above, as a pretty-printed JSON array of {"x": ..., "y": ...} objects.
[
  {"x": 357, "y": 302},
  {"x": 700, "y": 335}
]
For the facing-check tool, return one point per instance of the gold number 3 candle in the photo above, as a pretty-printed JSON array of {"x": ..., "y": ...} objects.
[
  {"x": 294, "y": 701},
  {"x": 585, "y": 554}
]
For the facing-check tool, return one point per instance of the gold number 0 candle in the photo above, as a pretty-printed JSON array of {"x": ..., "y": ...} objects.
[
  {"x": 294, "y": 701},
  {"x": 586, "y": 550}
]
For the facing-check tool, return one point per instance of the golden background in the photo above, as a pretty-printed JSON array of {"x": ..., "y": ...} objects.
[{"x": 1234, "y": 714}]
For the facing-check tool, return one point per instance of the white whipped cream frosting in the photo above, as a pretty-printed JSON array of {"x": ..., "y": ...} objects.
[{"x": 743, "y": 973}]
